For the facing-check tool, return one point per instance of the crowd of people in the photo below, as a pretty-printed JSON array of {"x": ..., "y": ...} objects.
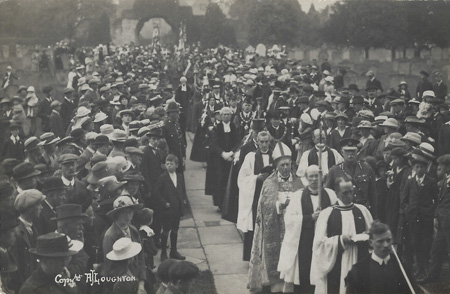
[{"x": 93, "y": 181}]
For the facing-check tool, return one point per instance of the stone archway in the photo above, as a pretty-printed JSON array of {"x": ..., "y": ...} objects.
[{"x": 129, "y": 21}]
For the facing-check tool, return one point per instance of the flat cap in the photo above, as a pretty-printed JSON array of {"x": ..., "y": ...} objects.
[
  {"x": 27, "y": 199},
  {"x": 68, "y": 90},
  {"x": 183, "y": 270},
  {"x": 67, "y": 158}
]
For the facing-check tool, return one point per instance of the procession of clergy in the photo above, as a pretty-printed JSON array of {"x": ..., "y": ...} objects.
[{"x": 323, "y": 179}]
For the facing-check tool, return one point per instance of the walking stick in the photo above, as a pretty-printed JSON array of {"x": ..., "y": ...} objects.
[
  {"x": 320, "y": 145},
  {"x": 403, "y": 271}
]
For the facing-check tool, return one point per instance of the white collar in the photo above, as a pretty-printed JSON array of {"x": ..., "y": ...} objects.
[
  {"x": 67, "y": 182},
  {"x": 281, "y": 179},
  {"x": 420, "y": 180},
  {"x": 380, "y": 260},
  {"x": 27, "y": 224}
]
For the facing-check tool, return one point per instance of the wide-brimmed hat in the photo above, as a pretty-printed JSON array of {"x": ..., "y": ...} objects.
[
  {"x": 54, "y": 245},
  {"x": 24, "y": 170},
  {"x": 341, "y": 115},
  {"x": 412, "y": 137},
  {"x": 53, "y": 183},
  {"x": 68, "y": 211},
  {"x": 32, "y": 143},
  {"x": 64, "y": 141},
  {"x": 134, "y": 126},
  {"x": 82, "y": 111},
  {"x": 97, "y": 157},
  {"x": 124, "y": 248},
  {"x": 100, "y": 116},
  {"x": 414, "y": 120},
  {"x": 121, "y": 203},
  {"x": 98, "y": 171},
  {"x": 119, "y": 136},
  {"x": 109, "y": 184},
  {"x": 390, "y": 122},
  {"x": 365, "y": 124}
]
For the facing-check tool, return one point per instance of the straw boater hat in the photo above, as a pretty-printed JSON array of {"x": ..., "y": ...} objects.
[{"x": 124, "y": 248}]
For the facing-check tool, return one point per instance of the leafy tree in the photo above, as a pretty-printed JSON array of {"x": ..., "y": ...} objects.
[
  {"x": 215, "y": 27},
  {"x": 276, "y": 21}
]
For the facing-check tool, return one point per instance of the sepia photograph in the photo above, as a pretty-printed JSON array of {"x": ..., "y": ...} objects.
[{"x": 224, "y": 146}]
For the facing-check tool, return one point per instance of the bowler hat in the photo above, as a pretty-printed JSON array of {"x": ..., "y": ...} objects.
[
  {"x": 53, "y": 183},
  {"x": 101, "y": 140},
  {"x": 422, "y": 72},
  {"x": 400, "y": 152},
  {"x": 53, "y": 245},
  {"x": 417, "y": 158},
  {"x": 68, "y": 211},
  {"x": 47, "y": 89},
  {"x": 133, "y": 150},
  {"x": 24, "y": 170}
]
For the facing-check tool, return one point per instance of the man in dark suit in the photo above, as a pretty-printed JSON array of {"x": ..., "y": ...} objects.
[
  {"x": 440, "y": 88},
  {"x": 45, "y": 109},
  {"x": 441, "y": 243},
  {"x": 379, "y": 272},
  {"x": 67, "y": 108},
  {"x": 77, "y": 193},
  {"x": 14, "y": 147},
  {"x": 374, "y": 103},
  {"x": 170, "y": 191},
  {"x": 175, "y": 138},
  {"x": 372, "y": 81},
  {"x": 56, "y": 121},
  {"x": 55, "y": 193},
  {"x": 183, "y": 96},
  {"x": 423, "y": 85},
  {"x": 224, "y": 143}
]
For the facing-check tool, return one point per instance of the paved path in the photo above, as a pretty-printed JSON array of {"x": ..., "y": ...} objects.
[{"x": 208, "y": 240}]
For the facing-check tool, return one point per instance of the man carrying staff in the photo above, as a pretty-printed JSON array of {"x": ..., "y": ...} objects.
[{"x": 277, "y": 189}]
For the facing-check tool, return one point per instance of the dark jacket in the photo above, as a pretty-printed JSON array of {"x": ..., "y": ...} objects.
[
  {"x": 151, "y": 167},
  {"x": 26, "y": 262},
  {"x": 44, "y": 224},
  {"x": 67, "y": 109},
  {"x": 13, "y": 150},
  {"x": 359, "y": 279},
  {"x": 418, "y": 201},
  {"x": 57, "y": 125},
  {"x": 166, "y": 192},
  {"x": 222, "y": 143},
  {"x": 40, "y": 283},
  {"x": 44, "y": 111},
  {"x": 443, "y": 206}
]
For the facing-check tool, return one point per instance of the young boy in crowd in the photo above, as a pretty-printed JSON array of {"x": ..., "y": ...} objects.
[
  {"x": 170, "y": 192},
  {"x": 14, "y": 147}
]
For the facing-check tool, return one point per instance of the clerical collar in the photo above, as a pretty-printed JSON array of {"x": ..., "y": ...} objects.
[
  {"x": 280, "y": 178},
  {"x": 380, "y": 260}
]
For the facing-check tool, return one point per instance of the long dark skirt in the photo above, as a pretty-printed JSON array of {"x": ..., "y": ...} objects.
[
  {"x": 223, "y": 174},
  {"x": 231, "y": 197},
  {"x": 212, "y": 173},
  {"x": 198, "y": 152}
]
